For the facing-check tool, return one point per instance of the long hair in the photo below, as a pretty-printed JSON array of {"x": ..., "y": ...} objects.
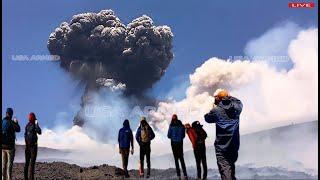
[{"x": 175, "y": 121}]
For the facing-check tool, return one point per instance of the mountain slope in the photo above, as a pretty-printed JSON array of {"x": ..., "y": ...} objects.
[{"x": 294, "y": 146}]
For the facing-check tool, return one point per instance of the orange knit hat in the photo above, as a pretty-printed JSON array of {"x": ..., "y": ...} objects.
[{"x": 221, "y": 93}]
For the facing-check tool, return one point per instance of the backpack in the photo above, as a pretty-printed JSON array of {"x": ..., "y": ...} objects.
[
  {"x": 145, "y": 134},
  {"x": 30, "y": 135},
  {"x": 201, "y": 135},
  {"x": 192, "y": 136},
  {"x": 125, "y": 137},
  {"x": 8, "y": 133}
]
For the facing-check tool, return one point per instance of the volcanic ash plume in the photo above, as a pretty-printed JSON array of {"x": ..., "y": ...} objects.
[{"x": 99, "y": 50}]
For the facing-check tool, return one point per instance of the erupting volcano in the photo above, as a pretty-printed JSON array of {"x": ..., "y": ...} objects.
[{"x": 101, "y": 51}]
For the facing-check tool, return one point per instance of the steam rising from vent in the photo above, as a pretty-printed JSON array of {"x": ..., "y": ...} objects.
[
  {"x": 99, "y": 50},
  {"x": 111, "y": 84}
]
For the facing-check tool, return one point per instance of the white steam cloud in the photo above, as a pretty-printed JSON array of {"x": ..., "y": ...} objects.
[
  {"x": 270, "y": 97},
  {"x": 111, "y": 84}
]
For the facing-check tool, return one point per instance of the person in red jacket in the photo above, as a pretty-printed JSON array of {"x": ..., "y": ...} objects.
[
  {"x": 197, "y": 136},
  {"x": 31, "y": 150}
]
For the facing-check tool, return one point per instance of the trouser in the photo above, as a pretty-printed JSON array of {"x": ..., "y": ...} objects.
[
  {"x": 226, "y": 164},
  {"x": 31, "y": 156},
  {"x": 7, "y": 163},
  {"x": 177, "y": 149},
  {"x": 200, "y": 155},
  {"x": 125, "y": 158},
  {"x": 145, "y": 150}
]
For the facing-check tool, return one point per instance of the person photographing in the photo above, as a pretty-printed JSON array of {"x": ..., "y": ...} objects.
[
  {"x": 9, "y": 129},
  {"x": 225, "y": 114}
]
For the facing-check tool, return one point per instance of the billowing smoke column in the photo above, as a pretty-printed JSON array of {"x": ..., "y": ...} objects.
[
  {"x": 265, "y": 92},
  {"x": 99, "y": 50}
]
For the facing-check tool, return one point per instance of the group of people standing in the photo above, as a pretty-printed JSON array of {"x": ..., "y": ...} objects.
[
  {"x": 197, "y": 136},
  {"x": 225, "y": 113},
  {"x": 144, "y": 135},
  {"x": 9, "y": 127}
]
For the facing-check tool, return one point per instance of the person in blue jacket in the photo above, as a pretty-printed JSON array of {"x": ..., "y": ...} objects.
[
  {"x": 125, "y": 138},
  {"x": 9, "y": 128},
  {"x": 176, "y": 133},
  {"x": 144, "y": 136},
  {"x": 225, "y": 114}
]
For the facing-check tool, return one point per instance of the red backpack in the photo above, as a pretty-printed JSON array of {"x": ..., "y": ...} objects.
[{"x": 192, "y": 136}]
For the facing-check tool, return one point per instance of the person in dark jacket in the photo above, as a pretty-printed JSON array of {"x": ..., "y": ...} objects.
[
  {"x": 144, "y": 136},
  {"x": 225, "y": 114},
  {"x": 198, "y": 136},
  {"x": 176, "y": 133},
  {"x": 125, "y": 138},
  {"x": 9, "y": 128},
  {"x": 31, "y": 139}
]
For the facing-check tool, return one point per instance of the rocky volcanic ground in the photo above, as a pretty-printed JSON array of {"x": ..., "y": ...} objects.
[{"x": 61, "y": 170}]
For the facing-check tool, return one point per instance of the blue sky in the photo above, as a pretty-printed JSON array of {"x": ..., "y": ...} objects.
[{"x": 201, "y": 30}]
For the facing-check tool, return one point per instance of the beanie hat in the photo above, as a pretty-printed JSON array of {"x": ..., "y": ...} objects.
[
  {"x": 196, "y": 124},
  {"x": 9, "y": 111},
  {"x": 32, "y": 117},
  {"x": 126, "y": 123},
  {"x": 221, "y": 93}
]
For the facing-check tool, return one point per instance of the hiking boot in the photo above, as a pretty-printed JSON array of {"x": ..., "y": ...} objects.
[
  {"x": 179, "y": 178},
  {"x": 141, "y": 175},
  {"x": 186, "y": 177},
  {"x": 148, "y": 173},
  {"x": 127, "y": 175}
]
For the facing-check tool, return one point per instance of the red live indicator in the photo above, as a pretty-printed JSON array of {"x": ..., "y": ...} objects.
[{"x": 301, "y": 5}]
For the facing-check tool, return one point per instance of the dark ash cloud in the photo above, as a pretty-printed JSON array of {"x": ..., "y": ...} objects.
[
  {"x": 95, "y": 45},
  {"x": 98, "y": 45}
]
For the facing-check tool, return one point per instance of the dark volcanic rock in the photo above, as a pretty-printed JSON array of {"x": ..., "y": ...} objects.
[{"x": 60, "y": 170}]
